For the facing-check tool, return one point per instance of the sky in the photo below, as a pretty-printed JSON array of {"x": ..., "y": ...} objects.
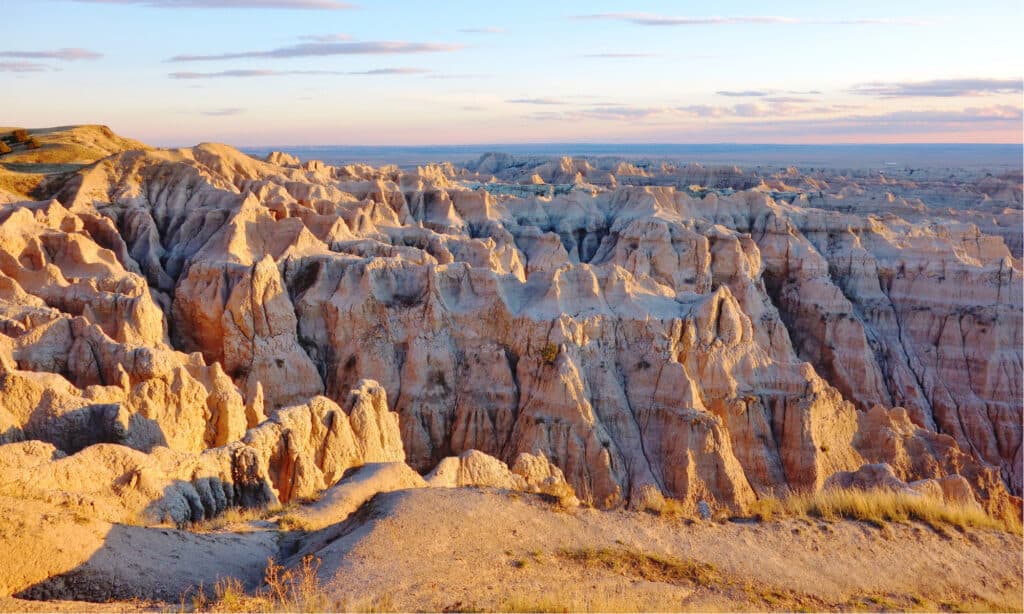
[{"x": 408, "y": 72}]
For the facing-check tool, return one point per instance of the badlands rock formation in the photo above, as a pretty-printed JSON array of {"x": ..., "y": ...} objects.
[{"x": 186, "y": 330}]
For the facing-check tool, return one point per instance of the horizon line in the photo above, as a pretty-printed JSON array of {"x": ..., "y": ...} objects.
[{"x": 625, "y": 144}]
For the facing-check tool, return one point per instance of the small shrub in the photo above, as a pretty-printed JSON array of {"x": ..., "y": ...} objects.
[
  {"x": 549, "y": 354},
  {"x": 20, "y": 135},
  {"x": 283, "y": 590},
  {"x": 4, "y": 148},
  {"x": 32, "y": 143}
]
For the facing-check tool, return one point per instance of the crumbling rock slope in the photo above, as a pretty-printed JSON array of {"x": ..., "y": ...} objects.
[{"x": 207, "y": 324}]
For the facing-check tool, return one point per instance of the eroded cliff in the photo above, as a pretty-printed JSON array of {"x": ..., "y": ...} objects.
[{"x": 654, "y": 331}]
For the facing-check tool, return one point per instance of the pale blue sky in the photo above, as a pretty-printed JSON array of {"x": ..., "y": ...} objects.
[{"x": 490, "y": 72}]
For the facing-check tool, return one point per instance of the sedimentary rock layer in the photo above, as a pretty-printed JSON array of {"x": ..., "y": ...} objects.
[{"x": 655, "y": 331}]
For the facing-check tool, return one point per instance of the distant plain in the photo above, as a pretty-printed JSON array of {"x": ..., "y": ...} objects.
[{"x": 957, "y": 155}]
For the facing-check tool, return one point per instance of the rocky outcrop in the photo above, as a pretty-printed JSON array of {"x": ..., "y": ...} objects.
[
  {"x": 953, "y": 489},
  {"x": 338, "y": 502},
  {"x": 914, "y": 453},
  {"x": 530, "y": 473},
  {"x": 297, "y": 453},
  {"x": 708, "y": 334}
]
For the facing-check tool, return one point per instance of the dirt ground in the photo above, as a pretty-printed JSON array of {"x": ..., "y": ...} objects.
[{"x": 471, "y": 549}]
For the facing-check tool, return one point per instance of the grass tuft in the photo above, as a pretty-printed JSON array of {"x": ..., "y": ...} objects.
[
  {"x": 549, "y": 353},
  {"x": 292, "y": 522},
  {"x": 234, "y": 515},
  {"x": 651, "y": 567},
  {"x": 283, "y": 590},
  {"x": 673, "y": 508},
  {"x": 879, "y": 507}
]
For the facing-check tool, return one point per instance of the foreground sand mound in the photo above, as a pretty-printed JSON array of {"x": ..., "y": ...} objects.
[
  {"x": 62, "y": 554},
  {"x": 431, "y": 549}
]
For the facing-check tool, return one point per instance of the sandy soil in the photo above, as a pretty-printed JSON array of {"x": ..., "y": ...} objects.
[
  {"x": 469, "y": 549},
  {"x": 55, "y": 553},
  {"x": 438, "y": 549}
]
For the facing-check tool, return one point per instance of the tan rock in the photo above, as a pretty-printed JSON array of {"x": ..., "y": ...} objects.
[{"x": 707, "y": 332}]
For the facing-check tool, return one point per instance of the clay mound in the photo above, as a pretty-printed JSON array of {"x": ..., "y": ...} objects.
[
  {"x": 431, "y": 549},
  {"x": 78, "y": 145},
  {"x": 341, "y": 500},
  {"x": 437, "y": 549},
  {"x": 30, "y": 173},
  {"x": 86, "y": 511},
  {"x": 296, "y": 454},
  {"x": 65, "y": 555}
]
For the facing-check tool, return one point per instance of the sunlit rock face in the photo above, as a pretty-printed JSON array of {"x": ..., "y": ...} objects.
[{"x": 709, "y": 334}]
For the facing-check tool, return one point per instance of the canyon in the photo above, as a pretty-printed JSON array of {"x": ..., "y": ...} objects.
[{"x": 187, "y": 331}]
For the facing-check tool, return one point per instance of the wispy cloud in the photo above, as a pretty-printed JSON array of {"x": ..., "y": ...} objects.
[
  {"x": 940, "y": 88},
  {"x": 606, "y": 112},
  {"x": 743, "y": 93},
  {"x": 766, "y": 93},
  {"x": 488, "y": 30},
  {"x": 1000, "y": 117},
  {"x": 621, "y": 112},
  {"x": 789, "y": 99},
  {"x": 443, "y": 76},
  {"x": 770, "y": 106},
  {"x": 327, "y": 49},
  {"x": 333, "y": 5},
  {"x": 747, "y": 109},
  {"x": 776, "y": 110},
  {"x": 995, "y": 113},
  {"x": 24, "y": 67},
  {"x": 651, "y": 19},
  {"x": 537, "y": 101},
  {"x": 223, "y": 112},
  {"x": 391, "y": 71},
  {"x": 617, "y": 56},
  {"x": 242, "y": 73},
  {"x": 788, "y": 120},
  {"x": 69, "y": 54},
  {"x": 337, "y": 37}
]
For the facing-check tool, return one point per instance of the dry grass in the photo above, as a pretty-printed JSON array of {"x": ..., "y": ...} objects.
[
  {"x": 235, "y": 515},
  {"x": 291, "y": 590},
  {"x": 673, "y": 508},
  {"x": 568, "y": 601},
  {"x": 650, "y": 567},
  {"x": 561, "y": 495},
  {"x": 18, "y": 182},
  {"x": 880, "y": 506},
  {"x": 292, "y": 522},
  {"x": 549, "y": 353}
]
